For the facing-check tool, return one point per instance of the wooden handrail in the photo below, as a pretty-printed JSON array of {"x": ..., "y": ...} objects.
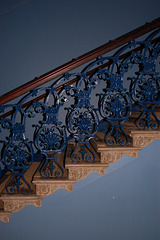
[
  {"x": 89, "y": 73},
  {"x": 111, "y": 45}
]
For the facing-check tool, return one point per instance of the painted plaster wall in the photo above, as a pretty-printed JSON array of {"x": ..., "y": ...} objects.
[{"x": 125, "y": 203}]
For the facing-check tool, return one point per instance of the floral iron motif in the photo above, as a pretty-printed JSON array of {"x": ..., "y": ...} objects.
[
  {"x": 145, "y": 87},
  {"x": 17, "y": 153},
  {"x": 82, "y": 122},
  {"x": 50, "y": 135},
  {"x": 99, "y": 91},
  {"x": 115, "y": 104}
]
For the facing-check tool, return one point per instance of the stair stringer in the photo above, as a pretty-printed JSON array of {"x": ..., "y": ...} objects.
[
  {"x": 139, "y": 140},
  {"x": 45, "y": 187}
]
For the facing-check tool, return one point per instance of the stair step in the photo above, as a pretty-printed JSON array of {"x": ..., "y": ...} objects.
[
  {"x": 60, "y": 160},
  {"x": 98, "y": 142},
  {"x": 137, "y": 140},
  {"x": 112, "y": 154},
  {"x": 14, "y": 203},
  {"x": 73, "y": 172},
  {"x": 45, "y": 187},
  {"x": 4, "y": 216},
  {"x": 79, "y": 170},
  {"x": 143, "y": 138},
  {"x": 28, "y": 175}
]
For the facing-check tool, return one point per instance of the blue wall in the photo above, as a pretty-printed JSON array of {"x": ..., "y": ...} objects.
[{"x": 123, "y": 204}]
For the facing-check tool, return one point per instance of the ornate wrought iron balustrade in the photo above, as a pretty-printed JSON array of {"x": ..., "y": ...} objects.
[{"x": 108, "y": 89}]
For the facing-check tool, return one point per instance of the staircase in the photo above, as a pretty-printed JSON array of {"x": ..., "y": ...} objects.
[{"x": 85, "y": 120}]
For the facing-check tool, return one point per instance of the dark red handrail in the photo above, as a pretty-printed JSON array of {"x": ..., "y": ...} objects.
[
  {"x": 111, "y": 45},
  {"x": 89, "y": 73}
]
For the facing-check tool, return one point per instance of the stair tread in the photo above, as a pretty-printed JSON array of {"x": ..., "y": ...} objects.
[
  {"x": 60, "y": 160},
  {"x": 51, "y": 180},
  {"x": 19, "y": 196},
  {"x": 69, "y": 162}
]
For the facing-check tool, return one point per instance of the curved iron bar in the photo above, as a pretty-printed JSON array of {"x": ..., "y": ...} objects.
[
  {"x": 17, "y": 156},
  {"x": 114, "y": 104},
  {"x": 48, "y": 168},
  {"x": 145, "y": 86},
  {"x": 17, "y": 151},
  {"x": 50, "y": 135},
  {"x": 81, "y": 119}
]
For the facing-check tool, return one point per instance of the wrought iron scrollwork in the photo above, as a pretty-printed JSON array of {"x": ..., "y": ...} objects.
[
  {"x": 82, "y": 122},
  {"x": 50, "y": 140},
  {"x": 50, "y": 135},
  {"x": 115, "y": 104},
  {"x": 17, "y": 156},
  {"x": 17, "y": 153},
  {"x": 145, "y": 86},
  {"x": 116, "y": 108},
  {"x": 99, "y": 91}
]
